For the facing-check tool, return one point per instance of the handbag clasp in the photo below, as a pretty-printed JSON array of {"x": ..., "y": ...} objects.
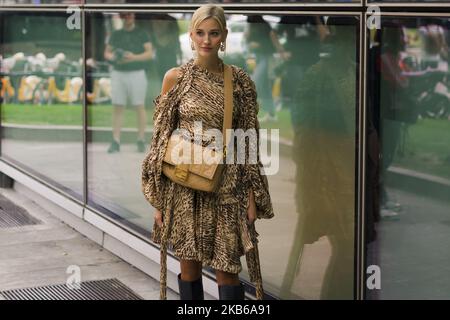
[{"x": 181, "y": 172}]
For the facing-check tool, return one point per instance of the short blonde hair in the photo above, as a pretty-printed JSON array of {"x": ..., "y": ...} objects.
[{"x": 208, "y": 11}]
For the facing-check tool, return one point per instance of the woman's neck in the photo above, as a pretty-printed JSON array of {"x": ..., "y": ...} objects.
[{"x": 214, "y": 64}]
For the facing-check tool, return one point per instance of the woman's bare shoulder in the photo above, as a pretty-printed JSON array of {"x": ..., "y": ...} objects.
[{"x": 170, "y": 79}]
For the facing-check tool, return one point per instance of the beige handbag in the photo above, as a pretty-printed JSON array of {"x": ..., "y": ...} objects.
[{"x": 204, "y": 176}]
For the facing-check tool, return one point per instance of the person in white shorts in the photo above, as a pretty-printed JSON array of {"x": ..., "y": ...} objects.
[{"x": 128, "y": 49}]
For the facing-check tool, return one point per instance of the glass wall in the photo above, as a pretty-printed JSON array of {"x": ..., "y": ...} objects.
[
  {"x": 42, "y": 90},
  {"x": 409, "y": 187}
]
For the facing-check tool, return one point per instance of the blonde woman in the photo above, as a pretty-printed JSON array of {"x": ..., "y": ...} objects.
[{"x": 206, "y": 229}]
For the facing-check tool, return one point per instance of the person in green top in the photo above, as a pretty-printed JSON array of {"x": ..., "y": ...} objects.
[{"x": 129, "y": 50}]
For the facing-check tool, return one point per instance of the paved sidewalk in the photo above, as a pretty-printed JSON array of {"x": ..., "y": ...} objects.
[{"x": 40, "y": 255}]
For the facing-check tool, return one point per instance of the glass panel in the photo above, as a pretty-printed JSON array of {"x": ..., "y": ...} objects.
[
  {"x": 408, "y": 197},
  {"x": 42, "y": 96},
  {"x": 307, "y": 250}
]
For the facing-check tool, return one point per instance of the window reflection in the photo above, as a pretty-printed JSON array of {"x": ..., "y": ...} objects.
[
  {"x": 42, "y": 90},
  {"x": 323, "y": 113},
  {"x": 127, "y": 57},
  {"x": 410, "y": 129}
]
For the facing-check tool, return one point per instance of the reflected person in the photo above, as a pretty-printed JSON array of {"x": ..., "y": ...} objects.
[
  {"x": 303, "y": 36},
  {"x": 398, "y": 102},
  {"x": 434, "y": 44},
  {"x": 324, "y": 154},
  {"x": 165, "y": 39},
  {"x": 262, "y": 41},
  {"x": 129, "y": 50}
]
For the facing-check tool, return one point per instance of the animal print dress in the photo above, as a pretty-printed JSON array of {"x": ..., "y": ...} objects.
[{"x": 207, "y": 227}]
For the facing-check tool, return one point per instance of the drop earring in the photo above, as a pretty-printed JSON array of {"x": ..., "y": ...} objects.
[
  {"x": 192, "y": 46},
  {"x": 222, "y": 46}
]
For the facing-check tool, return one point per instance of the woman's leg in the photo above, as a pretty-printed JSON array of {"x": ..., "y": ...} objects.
[
  {"x": 190, "y": 280},
  {"x": 191, "y": 270},
  {"x": 226, "y": 278},
  {"x": 230, "y": 288}
]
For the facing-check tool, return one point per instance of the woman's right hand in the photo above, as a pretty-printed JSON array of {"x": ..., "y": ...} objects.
[{"x": 158, "y": 218}]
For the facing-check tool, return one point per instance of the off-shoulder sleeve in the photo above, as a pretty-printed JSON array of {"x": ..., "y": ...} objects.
[
  {"x": 164, "y": 122},
  {"x": 253, "y": 172}
]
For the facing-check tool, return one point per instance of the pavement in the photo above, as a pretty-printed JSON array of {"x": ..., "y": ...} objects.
[
  {"x": 412, "y": 249},
  {"x": 48, "y": 252}
]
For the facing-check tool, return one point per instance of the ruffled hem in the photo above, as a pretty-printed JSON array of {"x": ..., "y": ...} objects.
[
  {"x": 216, "y": 265},
  {"x": 211, "y": 263}
]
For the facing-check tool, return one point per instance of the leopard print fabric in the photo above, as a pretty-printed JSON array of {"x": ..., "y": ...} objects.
[{"x": 207, "y": 227}]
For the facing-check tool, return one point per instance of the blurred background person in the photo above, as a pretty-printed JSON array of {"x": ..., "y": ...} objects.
[
  {"x": 263, "y": 43},
  {"x": 434, "y": 43},
  {"x": 303, "y": 35},
  {"x": 129, "y": 50},
  {"x": 166, "y": 44},
  {"x": 324, "y": 154}
]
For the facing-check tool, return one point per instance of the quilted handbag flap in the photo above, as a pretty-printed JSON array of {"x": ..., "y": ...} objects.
[{"x": 176, "y": 153}]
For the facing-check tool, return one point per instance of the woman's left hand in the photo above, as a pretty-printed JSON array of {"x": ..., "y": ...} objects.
[{"x": 251, "y": 207}]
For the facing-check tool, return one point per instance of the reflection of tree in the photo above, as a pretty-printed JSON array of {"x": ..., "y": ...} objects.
[{"x": 324, "y": 149}]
